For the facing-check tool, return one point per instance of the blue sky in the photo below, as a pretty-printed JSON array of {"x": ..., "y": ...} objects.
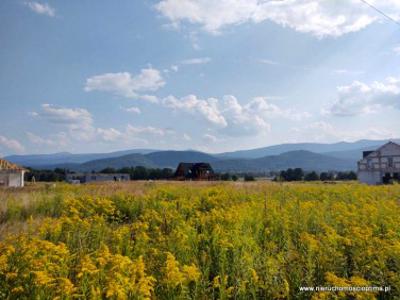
[{"x": 97, "y": 76}]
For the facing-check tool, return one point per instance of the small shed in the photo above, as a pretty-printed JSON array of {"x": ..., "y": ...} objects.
[
  {"x": 11, "y": 175},
  {"x": 194, "y": 171}
]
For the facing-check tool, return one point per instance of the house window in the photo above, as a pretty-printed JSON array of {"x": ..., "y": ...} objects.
[
  {"x": 390, "y": 162},
  {"x": 369, "y": 163}
]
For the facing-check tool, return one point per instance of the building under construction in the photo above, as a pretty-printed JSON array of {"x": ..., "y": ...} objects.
[{"x": 194, "y": 171}]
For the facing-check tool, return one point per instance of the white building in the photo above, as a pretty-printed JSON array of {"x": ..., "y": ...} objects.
[
  {"x": 11, "y": 175},
  {"x": 380, "y": 166},
  {"x": 96, "y": 177}
]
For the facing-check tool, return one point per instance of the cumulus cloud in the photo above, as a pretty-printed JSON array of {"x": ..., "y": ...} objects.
[
  {"x": 361, "y": 98},
  {"x": 126, "y": 84},
  {"x": 63, "y": 115},
  {"x": 207, "y": 108},
  {"x": 41, "y": 8},
  {"x": 322, "y": 131},
  {"x": 320, "y": 18},
  {"x": 261, "y": 105},
  {"x": 230, "y": 116},
  {"x": 242, "y": 119},
  {"x": 196, "y": 61},
  {"x": 133, "y": 134},
  {"x": 134, "y": 110},
  {"x": 78, "y": 121},
  {"x": 109, "y": 134},
  {"x": 79, "y": 125},
  {"x": 397, "y": 50},
  {"x": 11, "y": 144}
]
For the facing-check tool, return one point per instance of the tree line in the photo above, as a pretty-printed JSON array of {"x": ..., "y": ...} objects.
[
  {"x": 135, "y": 173},
  {"x": 298, "y": 174},
  {"x": 143, "y": 173}
]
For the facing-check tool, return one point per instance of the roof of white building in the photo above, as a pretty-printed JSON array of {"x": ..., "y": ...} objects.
[
  {"x": 390, "y": 143},
  {"x": 6, "y": 165}
]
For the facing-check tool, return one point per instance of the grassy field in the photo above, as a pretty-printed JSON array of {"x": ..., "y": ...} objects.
[{"x": 148, "y": 240}]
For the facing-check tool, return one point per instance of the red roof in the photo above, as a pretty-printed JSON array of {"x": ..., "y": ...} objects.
[{"x": 6, "y": 165}]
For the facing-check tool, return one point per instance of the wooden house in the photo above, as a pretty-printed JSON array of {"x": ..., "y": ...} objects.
[{"x": 194, "y": 171}]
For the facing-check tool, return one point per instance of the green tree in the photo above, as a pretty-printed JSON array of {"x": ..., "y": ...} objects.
[{"x": 312, "y": 176}]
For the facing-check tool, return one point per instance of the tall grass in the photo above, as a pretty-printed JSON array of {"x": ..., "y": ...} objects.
[{"x": 198, "y": 241}]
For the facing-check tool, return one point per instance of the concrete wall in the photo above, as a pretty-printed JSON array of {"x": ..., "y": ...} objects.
[
  {"x": 370, "y": 177},
  {"x": 384, "y": 160},
  {"x": 97, "y": 177},
  {"x": 106, "y": 177},
  {"x": 11, "y": 179}
]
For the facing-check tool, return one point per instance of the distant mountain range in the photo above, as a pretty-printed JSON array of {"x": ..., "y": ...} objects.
[
  {"x": 340, "y": 148},
  {"x": 309, "y": 156},
  {"x": 40, "y": 160}
]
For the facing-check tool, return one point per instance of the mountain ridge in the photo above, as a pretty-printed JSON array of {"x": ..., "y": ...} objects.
[
  {"x": 300, "y": 158},
  {"x": 339, "y": 156}
]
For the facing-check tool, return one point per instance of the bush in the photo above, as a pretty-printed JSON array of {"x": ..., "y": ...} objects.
[
  {"x": 312, "y": 176},
  {"x": 249, "y": 178}
]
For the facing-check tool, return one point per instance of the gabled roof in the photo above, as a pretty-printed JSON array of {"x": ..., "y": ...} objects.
[
  {"x": 183, "y": 168},
  {"x": 381, "y": 147},
  {"x": 388, "y": 143},
  {"x": 6, "y": 165}
]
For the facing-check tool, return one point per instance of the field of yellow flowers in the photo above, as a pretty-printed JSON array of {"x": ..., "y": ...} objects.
[{"x": 198, "y": 240}]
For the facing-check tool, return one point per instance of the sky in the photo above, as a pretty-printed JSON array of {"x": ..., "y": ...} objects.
[{"x": 100, "y": 76}]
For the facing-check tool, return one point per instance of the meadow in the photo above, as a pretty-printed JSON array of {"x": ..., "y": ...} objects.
[{"x": 166, "y": 240}]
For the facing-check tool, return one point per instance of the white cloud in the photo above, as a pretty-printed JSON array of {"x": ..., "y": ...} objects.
[
  {"x": 149, "y": 98},
  {"x": 320, "y": 18},
  {"x": 109, "y": 134},
  {"x": 268, "y": 62},
  {"x": 209, "y": 138},
  {"x": 56, "y": 140},
  {"x": 11, "y": 144},
  {"x": 196, "y": 61},
  {"x": 134, "y": 110},
  {"x": 324, "y": 132},
  {"x": 75, "y": 118},
  {"x": 79, "y": 126},
  {"x": 242, "y": 120},
  {"x": 175, "y": 68},
  {"x": 187, "y": 137},
  {"x": 41, "y": 8},
  {"x": 360, "y": 98},
  {"x": 231, "y": 117},
  {"x": 397, "y": 50},
  {"x": 133, "y": 134},
  {"x": 347, "y": 72},
  {"x": 147, "y": 130},
  {"x": 78, "y": 121},
  {"x": 205, "y": 108},
  {"x": 262, "y": 106},
  {"x": 125, "y": 84}
]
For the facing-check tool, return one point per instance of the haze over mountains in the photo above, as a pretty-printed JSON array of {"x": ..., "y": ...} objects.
[{"x": 309, "y": 156}]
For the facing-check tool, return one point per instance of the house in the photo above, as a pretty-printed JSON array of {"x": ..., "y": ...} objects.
[
  {"x": 11, "y": 175},
  {"x": 95, "y": 177},
  {"x": 380, "y": 166},
  {"x": 194, "y": 171}
]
